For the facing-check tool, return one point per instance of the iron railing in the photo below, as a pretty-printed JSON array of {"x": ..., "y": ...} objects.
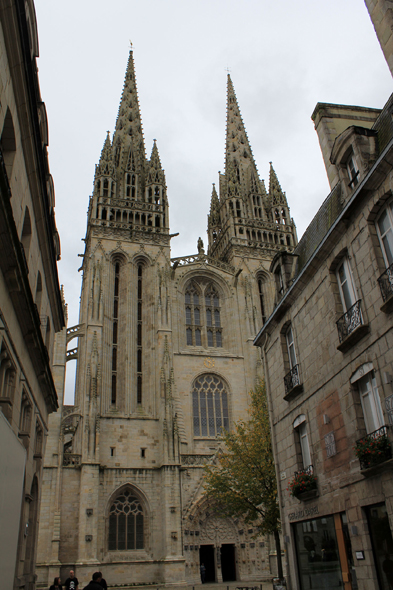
[
  {"x": 386, "y": 283},
  {"x": 308, "y": 470},
  {"x": 351, "y": 320},
  {"x": 292, "y": 379},
  {"x": 374, "y": 448}
]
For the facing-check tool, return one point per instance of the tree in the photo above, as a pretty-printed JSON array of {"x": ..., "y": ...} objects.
[{"x": 243, "y": 481}]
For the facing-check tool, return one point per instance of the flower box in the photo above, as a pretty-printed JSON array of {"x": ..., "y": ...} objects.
[
  {"x": 373, "y": 449},
  {"x": 303, "y": 481}
]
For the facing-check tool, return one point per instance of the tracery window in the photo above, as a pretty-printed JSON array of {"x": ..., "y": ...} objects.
[
  {"x": 193, "y": 316},
  {"x": 126, "y": 523},
  {"x": 213, "y": 322},
  {"x": 203, "y": 316},
  {"x": 210, "y": 406}
]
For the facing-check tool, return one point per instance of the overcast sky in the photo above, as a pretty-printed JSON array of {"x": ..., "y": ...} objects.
[{"x": 283, "y": 57}]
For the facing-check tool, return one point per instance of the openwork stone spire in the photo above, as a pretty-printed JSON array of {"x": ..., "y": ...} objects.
[
  {"x": 128, "y": 141},
  {"x": 105, "y": 166},
  {"x": 214, "y": 215},
  {"x": 239, "y": 160},
  {"x": 155, "y": 171},
  {"x": 276, "y": 194}
]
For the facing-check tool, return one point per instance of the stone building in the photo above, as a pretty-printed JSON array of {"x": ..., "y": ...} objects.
[
  {"x": 31, "y": 305},
  {"x": 327, "y": 355},
  {"x": 165, "y": 360}
]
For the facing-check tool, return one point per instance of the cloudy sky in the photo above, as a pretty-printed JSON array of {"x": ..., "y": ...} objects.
[{"x": 283, "y": 57}]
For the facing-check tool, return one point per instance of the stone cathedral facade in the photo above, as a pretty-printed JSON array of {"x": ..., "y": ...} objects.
[{"x": 165, "y": 360}]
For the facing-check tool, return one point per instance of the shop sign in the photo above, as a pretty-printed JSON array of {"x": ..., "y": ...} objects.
[{"x": 306, "y": 513}]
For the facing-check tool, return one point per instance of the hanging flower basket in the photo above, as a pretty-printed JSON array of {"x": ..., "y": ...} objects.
[
  {"x": 303, "y": 481},
  {"x": 373, "y": 449}
]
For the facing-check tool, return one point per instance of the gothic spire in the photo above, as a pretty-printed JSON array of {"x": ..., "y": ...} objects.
[
  {"x": 156, "y": 173},
  {"x": 105, "y": 165},
  {"x": 128, "y": 141},
  {"x": 239, "y": 160},
  {"x": 276, "y": 194},
  {"x": 214, "y": 215}
]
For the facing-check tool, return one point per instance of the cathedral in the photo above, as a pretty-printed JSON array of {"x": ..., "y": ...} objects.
[{"x": 165, "y": 361}]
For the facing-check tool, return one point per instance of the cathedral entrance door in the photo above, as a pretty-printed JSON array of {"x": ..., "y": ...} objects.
[
  {"x": 228, "y": 563},
  {"x": 206, "y": 556}
]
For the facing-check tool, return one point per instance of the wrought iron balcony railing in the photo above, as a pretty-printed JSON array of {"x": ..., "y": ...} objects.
[
  {"x": 351, "y": 320},
  {"x": 307, "y": 470},
  {"x": 292, "y": 379},
  {"x": 386, "y": 283},
  {"x": 374, "y": 448}
]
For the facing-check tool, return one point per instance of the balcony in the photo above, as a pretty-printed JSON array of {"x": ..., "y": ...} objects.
[
  {"x": 292, "y": 383},
  {"x": 351, "y": 327},
  {"x": 386, "y": 285},
  {"x": 373, "y": 449}
]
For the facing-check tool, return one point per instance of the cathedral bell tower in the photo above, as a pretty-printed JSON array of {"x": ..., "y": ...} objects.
[{"x": 245, "y": 218}]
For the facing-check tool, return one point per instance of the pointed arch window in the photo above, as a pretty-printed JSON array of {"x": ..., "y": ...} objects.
[
  {"x": 26, "y": 235},
  {"x": 126, "y": 523},
  {"x": 210, "y": 406},
  {"x": 213, "y": 318},
  {"x": 115, "y": 333},
  {"x": 262, "y": 301},
  {"x": 193, "y": 316}
]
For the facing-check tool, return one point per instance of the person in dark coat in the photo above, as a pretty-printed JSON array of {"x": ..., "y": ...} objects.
[
  {"x": 103, "y": 582},
  {"x": 95, "y": 582},
  {"x": 56, "y": 584}
]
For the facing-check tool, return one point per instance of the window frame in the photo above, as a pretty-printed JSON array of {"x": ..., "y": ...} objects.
[
  {"x": 290, "y": 347},
  {"x": 213, "y": 420},
  {"x": 344, "y": 263},
  {"x": 302, "y": 440},
  {"x": 374, "y": 412},
  {"x": 136, "y": 497},
  {"x": 352, "y": 170},
  {"x": 388, "y": 208},
  {"x": 197, "y": 334}
]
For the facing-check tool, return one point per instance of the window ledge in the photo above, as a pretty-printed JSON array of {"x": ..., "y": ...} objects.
[
  {"x": 7, "y": 401},
  {"x": 353, "y": 337},
  {"x": 309, "y": 495},
  {"x": 294, "y": 392},
  {"x": 377, "y": 469},
  {"x": 387, "y": 306}
]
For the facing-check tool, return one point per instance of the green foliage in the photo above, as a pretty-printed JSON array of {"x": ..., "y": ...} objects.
[{"x": 243, "y": 483}]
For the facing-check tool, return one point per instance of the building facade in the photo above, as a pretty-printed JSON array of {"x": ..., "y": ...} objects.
[
  {"x": 327, "y": 354},
  {"x": 165, "y": 360},
  {"x": 31, "y": 305}
]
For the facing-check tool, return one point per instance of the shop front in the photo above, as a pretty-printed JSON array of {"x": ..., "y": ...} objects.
[{"x": 323, "y": 553}]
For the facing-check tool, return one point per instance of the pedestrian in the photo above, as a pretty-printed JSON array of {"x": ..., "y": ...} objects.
[
  {"x": 71, "y": 583},
  {"x": 56, "y": 584},
  {"x": 103, "y": 582},
  {"x": 94, "y": 584},
  {"x": 203, "y": 573}
]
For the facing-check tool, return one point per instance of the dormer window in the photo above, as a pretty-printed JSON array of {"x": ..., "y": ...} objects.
[{"x": 353, "y": 171}]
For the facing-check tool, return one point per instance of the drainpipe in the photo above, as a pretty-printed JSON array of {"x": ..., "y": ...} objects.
[{"x": 270, "y": 406}]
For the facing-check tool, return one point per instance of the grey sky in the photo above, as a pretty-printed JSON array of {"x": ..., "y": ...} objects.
[{"x": 283, "y": 56}]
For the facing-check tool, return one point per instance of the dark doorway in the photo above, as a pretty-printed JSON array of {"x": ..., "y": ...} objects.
[
  {"x": 228, "y": 563},
  {"x": 206, "y": 556}
]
